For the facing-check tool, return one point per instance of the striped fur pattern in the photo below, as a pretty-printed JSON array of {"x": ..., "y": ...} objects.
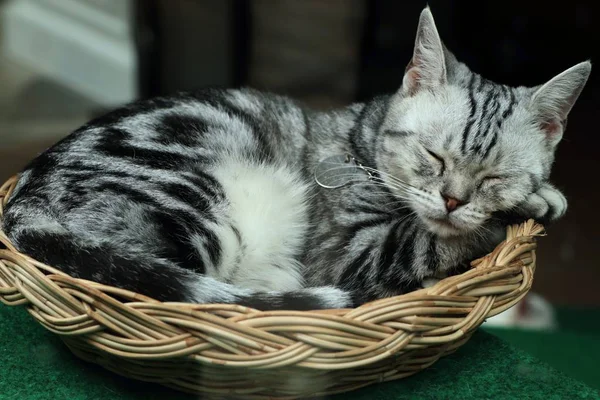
[{"x": 209, "y": 197}]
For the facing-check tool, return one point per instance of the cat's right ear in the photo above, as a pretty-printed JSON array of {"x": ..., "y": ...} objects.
[
  {"x": 553, "y": 101},
  {"x": 427, "y": 69}
]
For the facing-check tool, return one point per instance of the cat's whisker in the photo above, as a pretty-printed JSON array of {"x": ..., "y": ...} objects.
[
  {"x": 396, "y": 200},
  {"x": 409, "y": 216},
  {"x": 481, "y": 234},
  {"x": 400, "y": 208},
  {"x": 388, "y": 175},
  {"x": 478, "y": 233},
  {"x": 393, "y": 184},
  {"x": 396, "y": 196}
]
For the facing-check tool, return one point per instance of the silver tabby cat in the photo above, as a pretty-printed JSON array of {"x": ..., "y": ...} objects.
[{"x": 210, "y": 197}]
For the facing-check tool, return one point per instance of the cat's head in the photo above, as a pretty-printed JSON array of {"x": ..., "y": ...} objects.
[{"x": 468, "y": 146}]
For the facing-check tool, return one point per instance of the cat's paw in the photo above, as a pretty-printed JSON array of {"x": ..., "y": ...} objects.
[{"x": 546, "y": 205}]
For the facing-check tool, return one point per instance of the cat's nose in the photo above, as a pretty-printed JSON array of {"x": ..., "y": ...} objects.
[{"x": 452, "y": 203}]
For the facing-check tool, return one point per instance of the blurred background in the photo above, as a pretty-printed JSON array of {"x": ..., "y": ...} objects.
[{"x": 63, "y": 62}]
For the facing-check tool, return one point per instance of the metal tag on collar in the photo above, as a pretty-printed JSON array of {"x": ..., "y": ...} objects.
[{"x": 340, "y": 170}]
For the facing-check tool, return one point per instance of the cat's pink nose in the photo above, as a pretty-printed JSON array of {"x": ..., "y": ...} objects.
[{"x": 452, "y": 203}]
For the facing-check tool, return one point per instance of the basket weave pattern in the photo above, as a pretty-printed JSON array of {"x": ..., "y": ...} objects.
[{"x": 232, "y": 350}]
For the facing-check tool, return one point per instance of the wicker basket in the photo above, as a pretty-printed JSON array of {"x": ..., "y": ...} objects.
[{"x": 239, "y": 352}]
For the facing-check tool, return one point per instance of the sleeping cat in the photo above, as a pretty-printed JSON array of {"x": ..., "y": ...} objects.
[{"x": 211, "y": 197}]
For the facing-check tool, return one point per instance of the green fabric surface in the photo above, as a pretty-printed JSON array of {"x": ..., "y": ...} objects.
[
  {"x": 575, "y": 354},
  {"x": 574, "y": 348},
  {"x": 35, "y": 365}
]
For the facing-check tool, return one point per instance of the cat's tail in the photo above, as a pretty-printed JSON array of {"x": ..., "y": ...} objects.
[
  {"x": 158, "y": 278},
  {"x": 316, "y": 298}
]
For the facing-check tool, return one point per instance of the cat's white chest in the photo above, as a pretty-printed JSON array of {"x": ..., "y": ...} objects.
[{"x": 267, "y": 206}]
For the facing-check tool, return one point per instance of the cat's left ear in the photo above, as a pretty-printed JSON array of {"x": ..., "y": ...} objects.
[
  {"x": 427, "y": 69},
  {"x": 553, "y": 101}
]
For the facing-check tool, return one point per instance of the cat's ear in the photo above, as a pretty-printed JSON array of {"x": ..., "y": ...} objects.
[
  {"x": 553, "y": 101},
  {"x": 427, "y": 69}
]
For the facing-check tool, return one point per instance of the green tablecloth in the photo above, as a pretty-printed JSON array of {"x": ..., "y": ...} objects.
[{"x": 35, "y": 365}]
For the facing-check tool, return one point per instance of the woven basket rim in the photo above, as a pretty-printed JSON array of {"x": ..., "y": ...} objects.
[{"x": 139, "y": 337}]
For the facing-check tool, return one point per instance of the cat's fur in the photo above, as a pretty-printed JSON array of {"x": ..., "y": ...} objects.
[{"x": 210, "y": 196}]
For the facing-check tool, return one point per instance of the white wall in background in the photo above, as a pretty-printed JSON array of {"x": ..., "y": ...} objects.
[{"x": 87, "y": 45}]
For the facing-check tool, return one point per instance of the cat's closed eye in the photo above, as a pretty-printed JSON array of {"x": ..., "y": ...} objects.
[
  {"x": 439, "y": 159},
  {"x": 491, "y": 180}
]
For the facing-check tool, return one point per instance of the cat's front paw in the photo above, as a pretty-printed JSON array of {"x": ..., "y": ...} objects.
[{"x": 546, "y": 205}]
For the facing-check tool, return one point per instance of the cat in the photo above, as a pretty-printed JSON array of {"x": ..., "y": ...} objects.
[{"x": 210, "y": 197}]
